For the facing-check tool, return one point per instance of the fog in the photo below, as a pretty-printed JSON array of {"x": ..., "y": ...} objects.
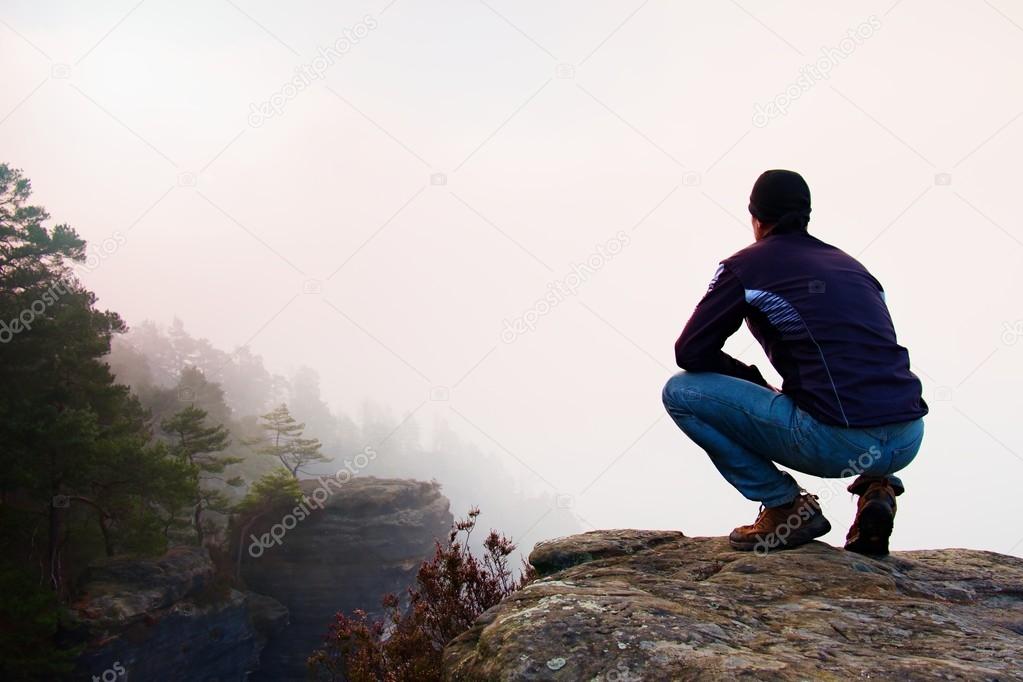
[{"x": 497, "y": 216}]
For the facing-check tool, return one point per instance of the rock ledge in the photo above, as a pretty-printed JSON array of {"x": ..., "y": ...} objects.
[{"x": 620, "y": 606}]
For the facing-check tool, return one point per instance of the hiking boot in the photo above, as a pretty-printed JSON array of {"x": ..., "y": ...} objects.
[
  {"x": 875, "y": 516},
  {"x": 784, "y": 527}
]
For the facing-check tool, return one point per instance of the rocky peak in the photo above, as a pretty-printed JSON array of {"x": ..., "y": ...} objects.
[
  {"x": 634, "y": 605},
  {"x": 164, "y": 618},
  {"x": 361, "y": 539}
]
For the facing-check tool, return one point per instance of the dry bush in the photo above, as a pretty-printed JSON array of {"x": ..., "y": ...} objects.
[{"x": 451, "y": 591}]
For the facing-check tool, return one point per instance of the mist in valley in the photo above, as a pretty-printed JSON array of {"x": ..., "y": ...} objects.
[
  {"x": 454, "y": 243},
  {"x": 402, "y": 205},
  {"x": 169, "y": 369}
]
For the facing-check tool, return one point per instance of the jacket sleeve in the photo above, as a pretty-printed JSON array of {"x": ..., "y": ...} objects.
[{"x": 717, "y": 317}]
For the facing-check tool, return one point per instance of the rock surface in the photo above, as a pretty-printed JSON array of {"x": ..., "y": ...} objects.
[
  {"x": 164, "y": 619},
  {"x": 369, "y": 539},
  {"x": 621, "y": 606}
]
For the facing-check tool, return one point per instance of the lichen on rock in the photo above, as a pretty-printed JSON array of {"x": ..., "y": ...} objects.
[
  {"x": 162, "y": 619},
  {"x": 632, "y": 605}
]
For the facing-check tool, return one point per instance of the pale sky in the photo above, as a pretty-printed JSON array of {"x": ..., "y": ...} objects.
[{"x": 317, "y": 233}]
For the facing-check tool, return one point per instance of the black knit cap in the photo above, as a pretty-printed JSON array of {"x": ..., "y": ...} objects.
[{"x": 781, "y": 198}]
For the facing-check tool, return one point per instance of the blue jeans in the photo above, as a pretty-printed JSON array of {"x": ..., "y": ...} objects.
[{"x": 746, "y": 429}]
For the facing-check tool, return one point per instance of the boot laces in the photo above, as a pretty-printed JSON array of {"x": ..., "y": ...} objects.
[{"x": 803, "y": 495}]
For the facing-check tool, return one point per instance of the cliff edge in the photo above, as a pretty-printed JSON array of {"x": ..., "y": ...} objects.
[
  {"x": 620, "y": 606},
  {"x": 368, "y": 539},
  {"x": 165, "y": 619}
]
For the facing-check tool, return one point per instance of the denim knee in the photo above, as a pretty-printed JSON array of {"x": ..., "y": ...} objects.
[
  {"x": 678, "y": 393},
  {"x": 902, "y": 457}
]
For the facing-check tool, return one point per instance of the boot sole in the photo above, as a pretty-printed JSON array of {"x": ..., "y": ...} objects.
[
  {"x": 816, "y": 528},
  {"x": 876, "y": 523}
]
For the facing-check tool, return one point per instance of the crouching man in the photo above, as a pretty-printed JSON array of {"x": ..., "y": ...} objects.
[{"x": 849, "y": 404}]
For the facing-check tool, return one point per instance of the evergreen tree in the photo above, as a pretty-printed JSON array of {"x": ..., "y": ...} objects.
[
  {"x": 198, "y": 446},
  {"x": 283, "y": 440},
  {"x": 75, "y": 458},
  {"x": 274, "y": 491}
]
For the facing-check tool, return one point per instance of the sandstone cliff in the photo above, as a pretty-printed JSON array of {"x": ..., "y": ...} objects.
[
  {"x": 164, "y": 619},
  {"x": 369, "y": 539},
  {"x": 620, "y": 606}
]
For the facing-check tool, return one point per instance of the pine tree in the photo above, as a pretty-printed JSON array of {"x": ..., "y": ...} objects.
[
  {"x": 74, "y": 440},
  {"x": 276, "y": 490},
  {"x": 285, "y": 442},
  {"x": 197, "y": 446}
]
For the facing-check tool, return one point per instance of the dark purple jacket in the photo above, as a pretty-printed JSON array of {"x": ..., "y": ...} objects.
[{"x": 824, "y": 324}]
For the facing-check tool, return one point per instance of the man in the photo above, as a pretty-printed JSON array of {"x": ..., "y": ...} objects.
[{"x": 849, "y": 404}]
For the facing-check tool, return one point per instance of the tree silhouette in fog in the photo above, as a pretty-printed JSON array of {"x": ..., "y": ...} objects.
[{"x": 284, "y": 440}]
